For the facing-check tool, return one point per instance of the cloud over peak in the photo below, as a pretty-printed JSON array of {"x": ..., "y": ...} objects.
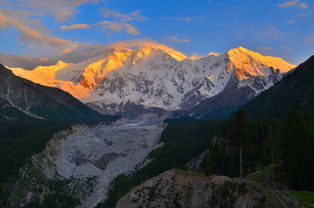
[
  {"x": 135, "y": 15},
  {"x": 119, "y": 27},
  {"x": 265, "y": 48},
  {"x": 178, "y": 40}
]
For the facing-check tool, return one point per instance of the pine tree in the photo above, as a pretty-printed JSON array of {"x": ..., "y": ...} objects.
[
  {"x": 298, "y": 151},
  {"x": 206, "y": 164},
  {"x": 241, "y": 135},
  {"x": 271, "y": 143}
]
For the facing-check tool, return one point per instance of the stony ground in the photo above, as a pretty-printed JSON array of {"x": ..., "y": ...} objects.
[{"x": 106, "y": 152}]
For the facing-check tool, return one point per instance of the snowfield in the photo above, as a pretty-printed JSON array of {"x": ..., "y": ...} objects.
[{"x": 106, "y": 152}]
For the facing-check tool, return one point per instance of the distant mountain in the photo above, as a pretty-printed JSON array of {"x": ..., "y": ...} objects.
[
  {"x": 146, "y": 77},
  {"x": 294, "y": 92},
  {"x": 22, "y": 99}
]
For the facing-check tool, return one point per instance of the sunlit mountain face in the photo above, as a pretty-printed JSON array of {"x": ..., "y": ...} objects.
[
  {"x": 81, "y": 78},
  {"x": 117, "y": 55},
  {"x": 155, "y": 76}
]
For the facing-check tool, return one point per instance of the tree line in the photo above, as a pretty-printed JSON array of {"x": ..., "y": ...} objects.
[{"x": 247, "y": 145}]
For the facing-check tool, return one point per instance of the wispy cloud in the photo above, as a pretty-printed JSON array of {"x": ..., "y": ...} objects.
[
  {"x": 25, "y": 17},
  {"x": 178, "y": 40},
  {"x": 181, "y": 19},
  {"x": 120, "y": 23},
  {"x": 108, "y": 25},
  {"x": 119, "y": 27},
  {"x": 289, "y": 3},
  {"x": 184, "y": 19},
  {"x": 308, "y": 14},
  {"x": 270, "y": 32},
  {"x": 27, "y": 20},
  {"x": 294, "y": 3},
  {"x": 286, "y": 49},
  {"x": 135, "y": 15},
  {"x": 310, "y": 39},
  {"x": 35, "y": 35},
  {"x": 292, "y": 21},
  {"x": 132, "y": 30},
  {"x": 32, "y": 35},
  {"x": 61, "y": 10},
  {"x": 303, "y": 5},
  {"x": 74, "y": 27},
  {"x": 265, "y": 48}
]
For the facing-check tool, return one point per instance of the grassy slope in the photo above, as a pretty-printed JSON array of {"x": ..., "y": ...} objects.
[{"x": 305, "y": 196}]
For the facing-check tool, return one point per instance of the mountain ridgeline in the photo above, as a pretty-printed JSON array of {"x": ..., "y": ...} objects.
[
  {"x": 21, "y": 99},
  {"x": 30, "y": 114},
  {"x": 139, "y": 78},
  {"x": 294, "y": 92}
]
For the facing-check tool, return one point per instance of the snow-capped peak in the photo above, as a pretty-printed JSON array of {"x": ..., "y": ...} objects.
[
  {"x": 249, "y": 63},
  {"x": 153, "y": 75},
  {"x": 147, "y": 46}
]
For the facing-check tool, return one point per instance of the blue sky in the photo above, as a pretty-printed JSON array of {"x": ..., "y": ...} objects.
[{"x": 283, "y": 28}]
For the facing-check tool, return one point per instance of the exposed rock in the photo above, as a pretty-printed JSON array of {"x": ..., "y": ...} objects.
[
  {"x": 186, "y": 189},
  {"x": 195, "y": 163}
]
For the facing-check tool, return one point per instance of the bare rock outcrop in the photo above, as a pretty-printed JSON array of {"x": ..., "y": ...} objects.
[{"x": 186, "y": 189}]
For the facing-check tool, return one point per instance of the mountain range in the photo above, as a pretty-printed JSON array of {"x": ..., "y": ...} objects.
[{"x": 147, "y": 78}]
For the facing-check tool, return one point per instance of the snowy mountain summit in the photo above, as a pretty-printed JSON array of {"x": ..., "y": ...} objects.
[{"x": 126, "y": 77}]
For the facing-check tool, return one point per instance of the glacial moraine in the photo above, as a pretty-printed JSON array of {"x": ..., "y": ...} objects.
[{"x": 105, "y": 152}]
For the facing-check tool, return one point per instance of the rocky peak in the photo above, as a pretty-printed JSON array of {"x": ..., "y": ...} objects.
[
  {"x": 145, "y": 47},
  {"x": 249, "y": 63}
]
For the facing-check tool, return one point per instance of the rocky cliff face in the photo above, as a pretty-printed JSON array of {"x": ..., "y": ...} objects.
[{"x": 176, "y": 188}]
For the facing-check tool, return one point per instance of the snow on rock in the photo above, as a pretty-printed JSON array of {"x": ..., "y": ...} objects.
[{"x": 152, "y": 75}]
